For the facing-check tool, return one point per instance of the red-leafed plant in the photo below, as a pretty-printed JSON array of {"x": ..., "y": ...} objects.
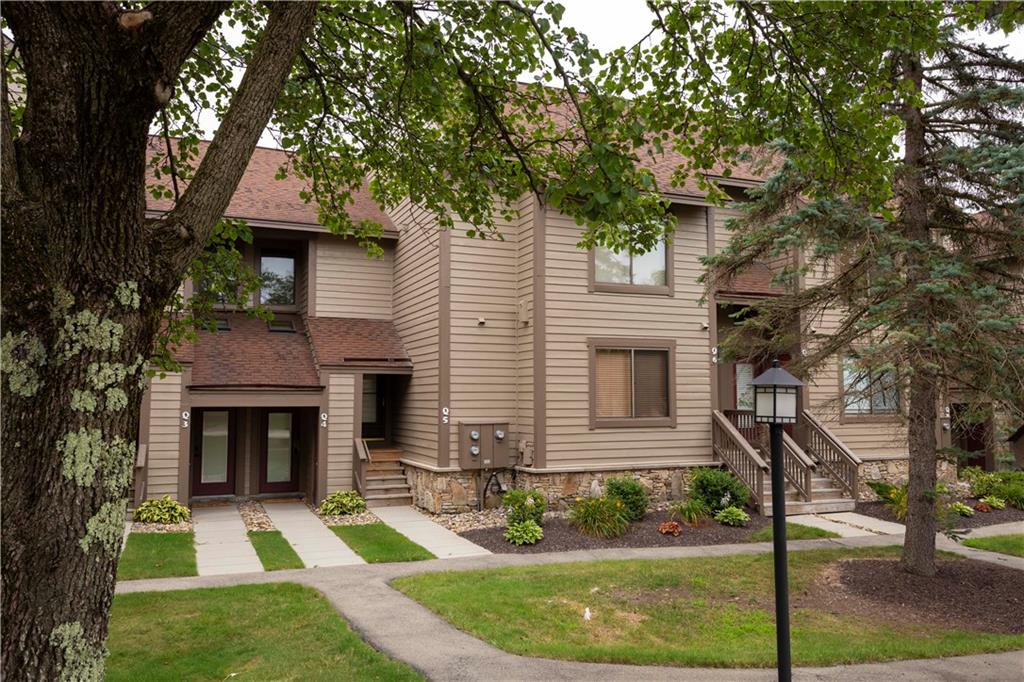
[
  {"x": 983, "y": 507},
  {"x": 670, "y": 528}
]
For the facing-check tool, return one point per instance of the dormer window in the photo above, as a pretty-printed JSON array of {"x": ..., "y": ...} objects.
[{"x": 277, "y": 277}]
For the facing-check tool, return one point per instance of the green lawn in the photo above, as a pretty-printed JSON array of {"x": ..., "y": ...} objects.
[
  {"x": 157, "y": 555},
  {"x": 794, "y": 531},
  {"x": 1004, "y": 544},
  {"x": 707, "y": 611},
  {"x": 379, "y": 543},
  {"x": 280, "y": 631},
  {"x": 274, "y": 551}
]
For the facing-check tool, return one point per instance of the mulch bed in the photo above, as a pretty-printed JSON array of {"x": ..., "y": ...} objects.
[
  {"x": 878, "y": 510},
  {"x": 562, "y": 536},
  {"x": 963, "y": 594}
]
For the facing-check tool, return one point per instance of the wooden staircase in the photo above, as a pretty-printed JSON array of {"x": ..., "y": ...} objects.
[
  {"x": 820, "y": 477},
  {"x": 382, "y": 481}
]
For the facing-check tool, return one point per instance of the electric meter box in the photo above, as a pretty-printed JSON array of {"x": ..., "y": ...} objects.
[{"x": 485, "y": 446}]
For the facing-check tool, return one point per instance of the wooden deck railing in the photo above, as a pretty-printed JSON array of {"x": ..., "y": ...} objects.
[
  {"x": 798, "y": 467},
  {"x": 360, "y": 463},
  {"x": 739, "y": 455},
  {"x": 831, "y": 453},
  {"x": 140, "y": 476}
]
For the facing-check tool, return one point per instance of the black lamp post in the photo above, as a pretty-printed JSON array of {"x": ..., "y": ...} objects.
[{"x": 776, "y": 402}]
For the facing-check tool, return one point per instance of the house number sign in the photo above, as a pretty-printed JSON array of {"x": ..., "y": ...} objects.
[
  {"x": 185, "y": 416},
  {"x": 445, "y": 415},
  {"x": 323, "y": 420}
]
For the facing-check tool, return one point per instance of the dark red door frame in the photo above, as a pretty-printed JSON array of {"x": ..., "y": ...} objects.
[
  {"x": 289, "y": 486},
  {"x": 198, "y": 487}
]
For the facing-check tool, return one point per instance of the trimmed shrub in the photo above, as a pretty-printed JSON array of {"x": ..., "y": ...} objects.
[
  {"x": 732, "y": 516},
  {"x": 524, "y": 505},
  {"x": 342, "y": 503},
  {"x": 524, "y": 533},
  {"x": 164, "y": 510},
  {"x": 632, "y": 495},
  {"x": 718, "y": 489},
  {"x": 602, "y": 517},
  {"x": 693, "y": 512}
]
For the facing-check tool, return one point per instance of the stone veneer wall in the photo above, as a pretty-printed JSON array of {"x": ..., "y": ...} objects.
[
  {"x": 454, "y": 492},
  {"x": 896, "y": 472}
]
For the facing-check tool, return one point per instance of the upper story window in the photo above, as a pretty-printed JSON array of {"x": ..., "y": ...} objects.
[
  {"x": 868, "y": 393},
  {"x": 277, "y": 277},
  {"x": 637, "y": 273},
  {"x": 632, "y": 382}
]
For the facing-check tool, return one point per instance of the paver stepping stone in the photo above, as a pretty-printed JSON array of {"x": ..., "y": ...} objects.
[
  {"x": 222, "y": 545},
  {"x": 432, "y": 536},
  {"x": 314, "y": 542}
]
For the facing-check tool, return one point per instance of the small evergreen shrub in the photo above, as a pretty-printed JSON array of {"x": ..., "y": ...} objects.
[
  {"x": 718, "y": 489},
  {"x": 602, "y": 517},
  {"x": 342, "y": 503},
  {"x": 732, "y": 516},
  {"x": 1011, "y": 491},
  {"x": 632, "y": 495},
  {"x": 693, "y": 512},
  {"x": 524, "y": 533},
  {"x": 993, "y": 502},
  {"x": 524, "y": 505},
  {"x": 881, "y": 488},
  {"x": 164, "y": 510},
  {"x": 961, "y": 509}
]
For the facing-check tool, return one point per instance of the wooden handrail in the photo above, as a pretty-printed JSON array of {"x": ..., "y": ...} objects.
[
  {"x": 815, "y": 423},
  {"x": 832, "y": 454},
  {"x": 729, "y": 445},
  {"x": 360, "y": 462}
]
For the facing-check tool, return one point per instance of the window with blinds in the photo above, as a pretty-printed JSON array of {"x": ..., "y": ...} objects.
[{"x": 631, "y": 383}]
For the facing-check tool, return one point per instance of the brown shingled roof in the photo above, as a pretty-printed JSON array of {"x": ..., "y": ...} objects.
[
  {"x": 356, "y": 341},
  {"x": 756, "y": 278},
  {"x": 249, "y": 354},
  {"x": 260, "y": 196}
]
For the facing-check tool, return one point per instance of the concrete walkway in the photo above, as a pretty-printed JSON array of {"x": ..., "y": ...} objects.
[
  {"x": 868, "y": 523},
  {"x": 1012, "y": 528},
  {"x": 314, "y": 542},
  {"x": 823, "y": 522},
  {"x": 435, "y": 538},
  {"x": 404, "y": 630},
  {"x": 222, "y": 545}
]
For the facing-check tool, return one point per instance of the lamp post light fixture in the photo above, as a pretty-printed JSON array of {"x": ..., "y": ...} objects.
[{"x": 776, "y": 403}]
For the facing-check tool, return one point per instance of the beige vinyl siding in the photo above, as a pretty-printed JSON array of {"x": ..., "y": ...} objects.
[
  {"x": 416, "y": 319},
  {"x": 164, "y": 437},
  {"x": 483, "y": 357},
  {"x": 525, "y": 323},
  {"x": 573, "y": 315},
  {"x": 868, "y": 437},
  {"x": 351, "y": 284},
  {"x": 340, "y": 431}
]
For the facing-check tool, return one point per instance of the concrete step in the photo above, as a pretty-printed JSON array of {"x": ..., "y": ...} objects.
[
  {"x": 816, "y": 507},
  {"x": 374, "y": 499}
]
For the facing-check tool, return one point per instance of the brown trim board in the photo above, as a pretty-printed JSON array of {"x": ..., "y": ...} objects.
[
  {"x": 311, "y": 276},
  {"x": 185, "y": 439},
  {"x": 322, "y": 436},
  {"x": 712, "y": 314},
  {"x": 444, "y": 333},
  {"x": 539, "y": 334}
]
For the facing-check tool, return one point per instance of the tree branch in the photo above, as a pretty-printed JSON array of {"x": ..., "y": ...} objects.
[
  {"x": 177, "y": 27},
  {"x": 207, "y": 196},
  {"x": 10, "y": 186}
]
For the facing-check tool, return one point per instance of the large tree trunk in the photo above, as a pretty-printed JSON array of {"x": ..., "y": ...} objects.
[
  {"x": 86, "y": 281},
  {"x": 919, "y": 540}
]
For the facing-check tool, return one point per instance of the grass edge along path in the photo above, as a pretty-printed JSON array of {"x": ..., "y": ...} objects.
[
  {"x": 288, "y": 631},
  {"x": 379, "y": 543},
  {"x": 158, "y": 555},
  {"x": 794, "y": 531},
  {"x": 274, "y": 551},
  {"x": 693, "y": 612},
  {"x": 1011, "y": 544}
]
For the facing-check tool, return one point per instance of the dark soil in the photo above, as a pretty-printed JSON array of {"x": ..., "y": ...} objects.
[
  {"x": 562, "y": 536},
  {"x": 964, "y": 594},
  {"x": 879, "y": 511}
]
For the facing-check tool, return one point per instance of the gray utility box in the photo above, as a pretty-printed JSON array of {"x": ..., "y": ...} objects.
[{"x": 485, "y": 446}]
